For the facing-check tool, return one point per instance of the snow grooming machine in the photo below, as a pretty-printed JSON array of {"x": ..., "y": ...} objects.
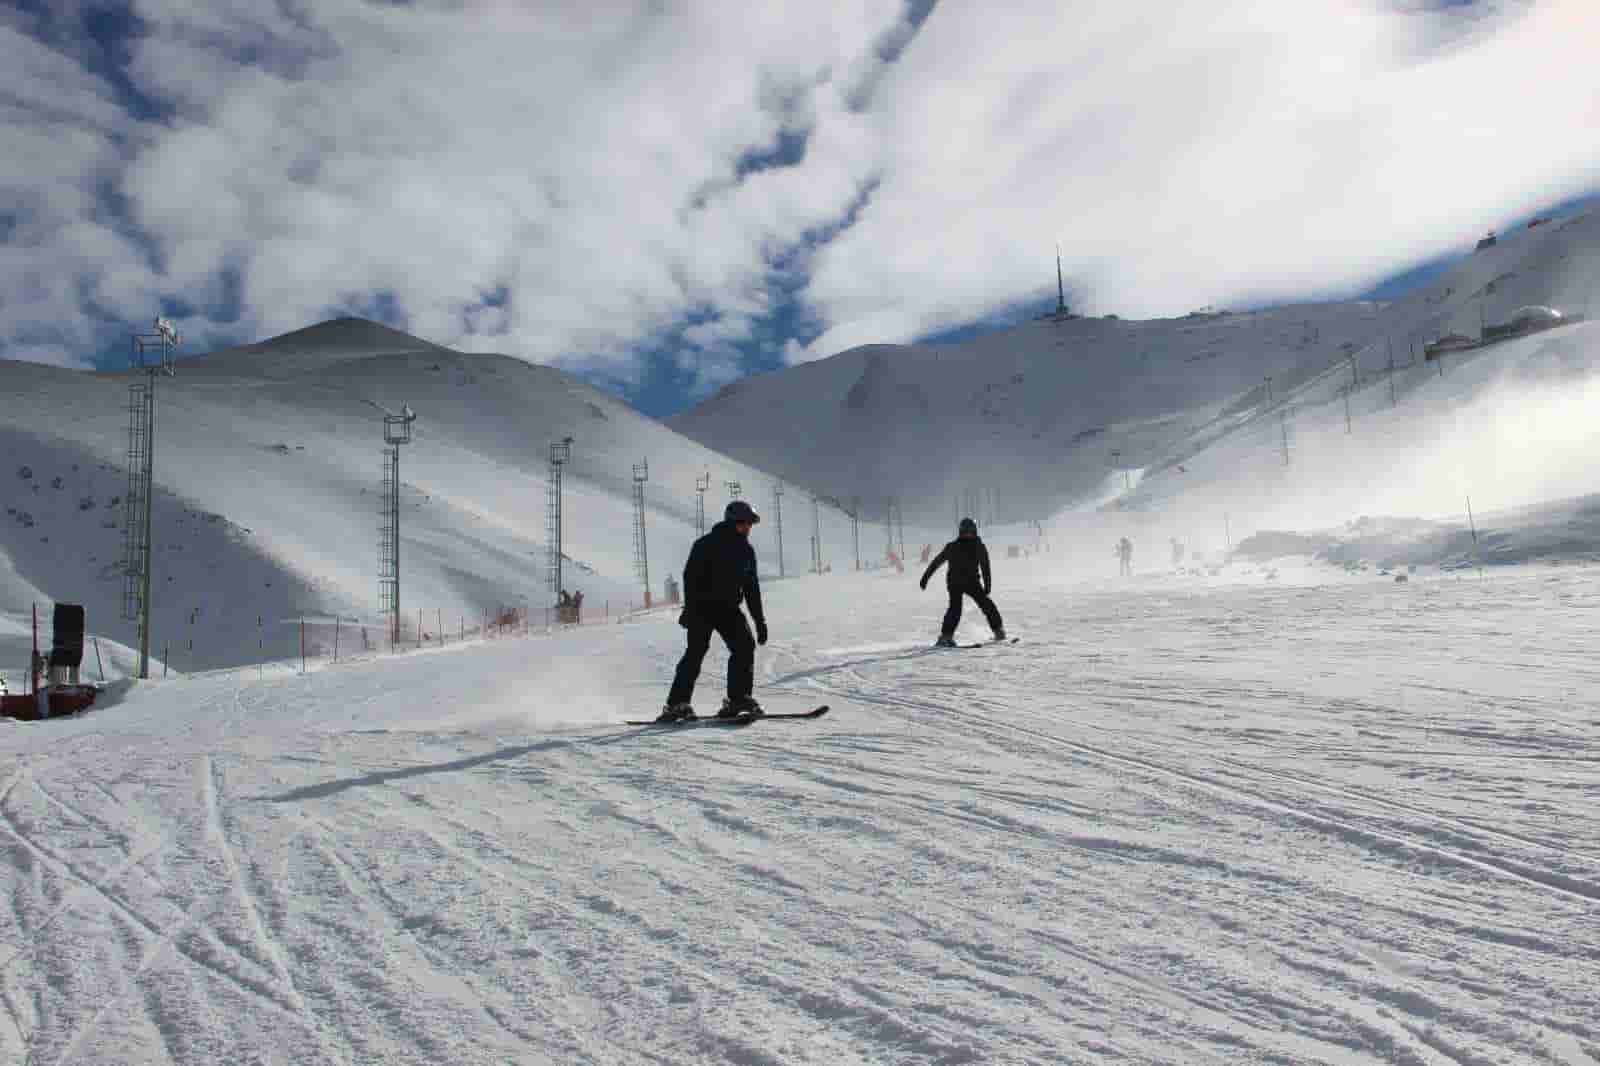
[{"x": 54, "y": 690}]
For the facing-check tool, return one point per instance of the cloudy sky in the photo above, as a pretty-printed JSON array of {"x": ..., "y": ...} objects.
[{"x": 667, "y": 195}]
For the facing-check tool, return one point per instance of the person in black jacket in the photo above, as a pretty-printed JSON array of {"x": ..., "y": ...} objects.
[
  {"x": 719, "y": 576},
  {"x": 968, "y": 575}
]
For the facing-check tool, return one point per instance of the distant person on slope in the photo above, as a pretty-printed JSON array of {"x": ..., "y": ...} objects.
[
  {"x": 719, "y": 576},
  {"x": 1125, "y": 554},
  {"x": 968, "y": 575}
]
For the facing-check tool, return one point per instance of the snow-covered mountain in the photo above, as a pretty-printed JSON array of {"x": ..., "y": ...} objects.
[
  {"x": 268, "y": 466},
  {"x": 268, "y": 455},
  {"x": 1067, "y": 411}
]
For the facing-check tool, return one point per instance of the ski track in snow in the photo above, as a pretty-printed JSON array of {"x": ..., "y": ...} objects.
[{"x": 1183, "y": 821}]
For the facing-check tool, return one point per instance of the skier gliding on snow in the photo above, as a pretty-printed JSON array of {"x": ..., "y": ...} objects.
[
  {"x": 968, "y": 576},
  {"x": 719, "y": 576}
]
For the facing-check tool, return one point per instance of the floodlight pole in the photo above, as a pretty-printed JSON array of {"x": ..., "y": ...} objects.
[
  {"x": 855, "y": 527},
  {"x": 777, "y": 520},
  {"x": 701, "y": 484},
  {"x": 1127, "y": 481},
  {"x": 641, "y": 553},
  {"x": 163, "y": 344},
  {"x": 396, "y": 431},
  {"x": 816, "y": 535},
  {"x": 560, "y": 455}
]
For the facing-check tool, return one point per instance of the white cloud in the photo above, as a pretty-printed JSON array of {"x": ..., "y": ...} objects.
[
  {"x": 1192, "y": 154},
  {"x": 560, "y": 181}
]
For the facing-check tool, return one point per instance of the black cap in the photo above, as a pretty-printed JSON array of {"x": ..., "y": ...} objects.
[
  {"x": 739, "y": 511},
  {"x": 968, "y": 526}
]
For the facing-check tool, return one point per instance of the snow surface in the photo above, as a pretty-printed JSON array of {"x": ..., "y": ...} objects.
[{"x": 1318, "y": 819}]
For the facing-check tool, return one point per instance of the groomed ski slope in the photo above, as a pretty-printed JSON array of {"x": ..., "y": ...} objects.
[{"x": 1316, "y": 819}]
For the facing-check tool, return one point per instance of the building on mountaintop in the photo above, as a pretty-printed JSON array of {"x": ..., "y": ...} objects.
[
  {"x": 1450, "y": 342},
  {"x": 1533, "y": 318}
]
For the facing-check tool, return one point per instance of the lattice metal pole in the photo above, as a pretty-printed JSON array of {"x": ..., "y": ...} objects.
[
  {"x": 641, "y": 554},
  {"x": 855, "y": 527},
  {"x": 396, "y": 431},
  {"x": 816, "y": 535},
  {"x": 153, "y": 353},
  {"x": 777, "y": 521},
  {"x": 560, "y": 455},
  {"x": 133, "y": 503},
  {"x": 701, "y": 484},
  {"x": 388, "y": 540}
]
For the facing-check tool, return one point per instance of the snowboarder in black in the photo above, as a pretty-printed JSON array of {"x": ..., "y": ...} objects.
[
  {"x": 719, "y": 576},
  {"x": 968, "y": 575}
]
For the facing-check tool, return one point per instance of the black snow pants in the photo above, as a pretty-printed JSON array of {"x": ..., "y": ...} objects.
[
  {"x": 952, "y": 617},
  {"x": 730, "y": 624}
]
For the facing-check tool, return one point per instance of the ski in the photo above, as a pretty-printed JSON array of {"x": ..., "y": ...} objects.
[
  {"x": 815, "y": 712},
  {"x": 985, "y": 644}
]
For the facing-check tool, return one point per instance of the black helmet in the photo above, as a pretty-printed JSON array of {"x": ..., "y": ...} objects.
[
  {"x": 739, "y": 511},
  {"x": 968, "y": 526}
]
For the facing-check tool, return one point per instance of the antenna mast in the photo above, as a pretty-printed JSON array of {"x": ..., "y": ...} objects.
[{"x": 1061, "y": 287}]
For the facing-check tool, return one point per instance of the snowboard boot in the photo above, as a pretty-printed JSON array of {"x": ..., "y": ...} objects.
[
  {"x": 676, "y": 712},
  {"x": 946, "y": 640},
  {"x": 743, "y": 707}
]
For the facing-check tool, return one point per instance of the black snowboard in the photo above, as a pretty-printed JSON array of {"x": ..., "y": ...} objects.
[{"x": 690, "y": 723}]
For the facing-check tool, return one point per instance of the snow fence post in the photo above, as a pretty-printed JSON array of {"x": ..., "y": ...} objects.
[
  {"x": 302, "y": 644},
  {"x": 335, "y": 638}
]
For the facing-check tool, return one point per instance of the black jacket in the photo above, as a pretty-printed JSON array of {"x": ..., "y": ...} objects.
[
  {"x": 969, "y": 561},
  {"x": 721, "y": 574}
]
